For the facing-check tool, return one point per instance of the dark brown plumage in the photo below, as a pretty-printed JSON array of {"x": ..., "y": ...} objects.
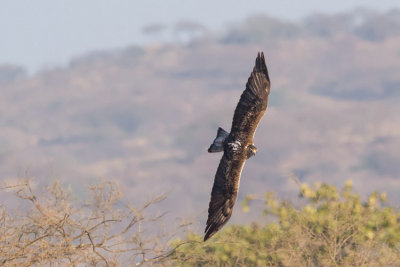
[{"x": 237, "y": 146}]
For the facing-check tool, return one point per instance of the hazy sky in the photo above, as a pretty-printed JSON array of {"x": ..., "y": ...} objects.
[{"x": 46, "y": 33}]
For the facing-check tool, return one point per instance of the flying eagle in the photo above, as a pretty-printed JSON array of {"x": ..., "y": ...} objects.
[{"x": 237, "y": 146}]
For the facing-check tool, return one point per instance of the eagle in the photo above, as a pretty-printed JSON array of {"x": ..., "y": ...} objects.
[{"x": 237, "y": 146}]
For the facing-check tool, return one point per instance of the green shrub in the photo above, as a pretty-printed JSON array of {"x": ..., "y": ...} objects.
[{"x": 328, "y": 227}]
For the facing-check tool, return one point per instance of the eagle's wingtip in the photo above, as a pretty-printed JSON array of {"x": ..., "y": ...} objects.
[
  {"x": 260, "y": 63},
  {"x": 210, "y": 230},
  {"x": 208, "y": 235},
  {"x": 260, "y": 56},
  {"x": 205, "y": 238}
]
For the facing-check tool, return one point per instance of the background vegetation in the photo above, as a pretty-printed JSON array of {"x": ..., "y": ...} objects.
[
  {"x": 55, "y": 229},
  {"x": 326, "y": 227}
]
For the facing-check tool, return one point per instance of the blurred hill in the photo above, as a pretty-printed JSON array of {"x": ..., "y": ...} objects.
[{"x": 144, "y": 116}]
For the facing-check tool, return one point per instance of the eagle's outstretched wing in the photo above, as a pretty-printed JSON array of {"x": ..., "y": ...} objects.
[
  {"x": 253, "y": 102},
  {"x": 224, "y": 191},
  {"x": 248, "y": 113}
]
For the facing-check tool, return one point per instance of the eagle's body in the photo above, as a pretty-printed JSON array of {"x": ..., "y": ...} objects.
[{"x": 237, "y": 147}]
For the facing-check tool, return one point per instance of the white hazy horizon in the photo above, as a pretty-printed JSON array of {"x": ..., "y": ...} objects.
[{"x": 45, "y": 33}]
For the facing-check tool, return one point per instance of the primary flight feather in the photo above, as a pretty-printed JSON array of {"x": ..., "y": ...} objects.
[{"x": 237, "y": 146}]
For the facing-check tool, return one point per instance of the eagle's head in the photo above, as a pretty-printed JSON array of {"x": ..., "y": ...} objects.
[{"x": 251, "y": 151}]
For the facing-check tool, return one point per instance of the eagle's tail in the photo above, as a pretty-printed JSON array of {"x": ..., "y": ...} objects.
[{"x": 218, "y": 144}]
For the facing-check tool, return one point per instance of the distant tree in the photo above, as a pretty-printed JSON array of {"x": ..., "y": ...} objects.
[
  {"x": 155, "y": 28},
  {"x": 328, "y": 25},
  {"x": 156, "y": 31},
  {"x": 9, "y": 73},
  {"x": 259, "y": 29},
  {"x": 187, "y": 30},
  {"x": 377, "y": 27}
]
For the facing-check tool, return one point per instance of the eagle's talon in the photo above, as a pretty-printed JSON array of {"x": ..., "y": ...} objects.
[{"x": 251, "y": 151}]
